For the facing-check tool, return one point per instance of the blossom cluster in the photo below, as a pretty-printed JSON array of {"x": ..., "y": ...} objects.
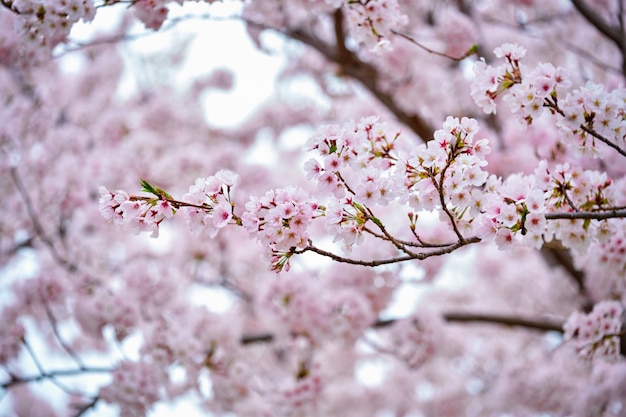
[
  {"x": 142, "y": 214},
  {"x": 136, "y": 386},
  {"x": 342, "y": 315},
  {"x": 152, "y": 13},
  {"x": 43, "y": 25},
  {"x": 415, "y": 339},
  {"x": 372, "y": 21},
  {"x": 357, "y": 169},
  {"x": 587, "y": 115},
  {"x": 596, "y": 334},
  {"x": 515, "y": 209},
  {"x": 364, "y": 165},
  {"x": 300, "y": 397},
  {"x": 279, "y": 220},
  {"x": 208, "y": 203},
  {"x": 591, "y": 113},
  {"x": 106, "y": 308},
  {"x": 445, "y": 173},
  {"x": 605, "y": 261}
]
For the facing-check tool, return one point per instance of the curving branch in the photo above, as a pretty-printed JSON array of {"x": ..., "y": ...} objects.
[
  {"x": 407, "y": 257},
  {"x": 598, "y": 22},
  {"x": 615, "y": 34},
  {"x": 355, "y": 68},
  {"x": 9, "y": 5}
]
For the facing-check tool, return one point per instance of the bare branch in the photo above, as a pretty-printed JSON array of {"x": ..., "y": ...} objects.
[
  {"x": 469, "y": 52},
  {"x": 540, "y": 325},
  {"x": 34, "y": 218},
  {"x": 588, "y": 215},
  {"x": 54, "y": 374},
  {"x": 613, "y": 33},
  {"x": 361, "y": 71},
  {"x": 55, "y": 329},
  {"x": 452, "y": 317},
  {"x": 416, "y": 256},
  {"x": 598, "y": 22},
  {"x": 82, "y": 410}
]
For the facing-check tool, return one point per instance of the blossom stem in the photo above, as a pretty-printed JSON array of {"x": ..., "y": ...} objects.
[{"x": 590, "y": 215}]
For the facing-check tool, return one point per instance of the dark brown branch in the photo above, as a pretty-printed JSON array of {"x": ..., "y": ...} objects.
[
  {"x": 53, "y": 374},
  {"x": 603, "y": 139},
  {"x": 598, "y": 22},
  {"x": 614, "y": 34},
  {"x": 416, "y": 256},
  {"x": 556, "y": 255},
  {"x": 540, "y": 325},
  {"x": 361, "y": 71},
  {"x": 588, "y": 215},
  {"x": 9, "y": 5},
  {"x": 452, "y": 317},
  {"x": 82, "y": 410}
]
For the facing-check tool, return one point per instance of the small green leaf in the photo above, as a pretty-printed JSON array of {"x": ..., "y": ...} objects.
[
  {"x": 145, "y": 186},
  {"x": 473, "y": 49},
  {"x": 149, "y": 188},
  {"x": 377, "y": 221}
]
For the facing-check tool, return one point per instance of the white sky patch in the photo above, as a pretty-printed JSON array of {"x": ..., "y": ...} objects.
[
  {"x": 371, "y": 373},
  {"x": 218, "y": 300}
]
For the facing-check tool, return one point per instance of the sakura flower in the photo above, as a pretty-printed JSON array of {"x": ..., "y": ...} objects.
[{"x": 511, "y": 51}]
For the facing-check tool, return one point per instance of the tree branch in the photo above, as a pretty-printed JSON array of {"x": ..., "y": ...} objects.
[
  {"x": 414, "y": 256},
  {"x": 353, "y": 67},
  {"x": 614, "y": 34},
  {"x": 82, "y": 410},
  {"x": 588, "y": 215},
  {"x": 34, "y": 218},
  {"x": 53, "y": 374},
  {"x": 532, "y": 324},
  {"x": 452, "y": 317}
]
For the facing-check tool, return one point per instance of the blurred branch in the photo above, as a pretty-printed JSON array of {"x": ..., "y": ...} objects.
[
  {"x": 82, "y": 410},
  {"x": 469, "y": 52},
  {"x": 355, "y": 68},
  {"x": 34, "y": 218},
  {"x": 55, "y": 330},
  {"x": 615, "y": 34},
  {"x": 9, "y": 5},
  {"x": 452, "y": 317},
  {"x": 53, "y": 374},
  {"x": 598, "y": 22},
  {"x": 540, "y": 325}
]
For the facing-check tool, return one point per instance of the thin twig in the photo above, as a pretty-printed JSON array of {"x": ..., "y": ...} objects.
[
  {"x": 54, "y": 374},
  {"x": 34, "y": 218},
  {"x": 469, "y": 52},
  {"x": 42, "y": 371},
  {"x": 82, "y": 410},
  {"x": 416, "y": 256},
  {"x": 55, "y": 329}
]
